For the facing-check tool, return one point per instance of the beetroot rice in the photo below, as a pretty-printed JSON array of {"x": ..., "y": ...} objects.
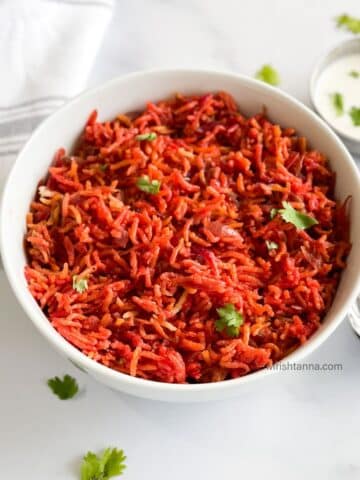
[{"x": 157, "y": 266}]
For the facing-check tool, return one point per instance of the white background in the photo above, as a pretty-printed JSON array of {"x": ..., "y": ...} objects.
[{"x": 292, "y": 426}]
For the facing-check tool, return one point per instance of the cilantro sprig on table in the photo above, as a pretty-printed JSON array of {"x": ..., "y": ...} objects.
[
  {"x": 102, "y": 467},
  {"x": 352, "y": 24},
  {"x": 65, "y": 388},
  {"x": 268, "y": 74}
]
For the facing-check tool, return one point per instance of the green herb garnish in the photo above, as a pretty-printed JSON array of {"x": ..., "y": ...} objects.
[
  {"x": 268, "y": 74},
  {"x": 355, "y": 116},
  {"x": 271, "y": 245},
  {"x": 354, "y": 74},
  {"x": 148, "y": 186},
  {"x": 146, "y": 136},
  {"x": 229, "y": 320},
  {"x": 65, "y": 388},
  {"x": 351, "y": 24},
  {"x": 337, "y": 101},
  {"x": 102, "y": 467},
  {"x": 103, "y": 167},
  {"x": 298, "y": 219},
  {"x": 79, "y": 284}
]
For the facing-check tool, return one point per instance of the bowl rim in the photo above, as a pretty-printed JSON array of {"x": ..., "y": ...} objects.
[{"x": 91, "y": 366}]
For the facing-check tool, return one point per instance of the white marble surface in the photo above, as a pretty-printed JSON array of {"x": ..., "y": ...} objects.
[{"x": 292, "y": 426}]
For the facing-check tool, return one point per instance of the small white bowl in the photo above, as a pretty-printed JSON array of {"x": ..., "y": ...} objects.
[
  {"x": 130, "y": 93},
  {"x": 348, "y": 47}
]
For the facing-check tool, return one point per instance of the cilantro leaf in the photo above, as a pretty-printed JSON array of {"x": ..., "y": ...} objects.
[
  {"x": 229, "y": 320},
  {"x": 80, "y": 284},
  {"x": 271, "y": 245},
  {"x": 146, "y": 136},
  {"x": 113, "y": 461},
  {"x": 102, "y": 467},
  {"x": 298, "y": 219},
  {"x": 351, "y": 24},
  {"x": 65, "y": 388},
  {"x": 91, "y": 468},
  {"x": 148, "y": 186},
  {"x": 355, "y": 116},
  {"x": 103, "y": 167},
  {"x": 337, "y": 101},
  {"x": 268, "y": 74},
  {"x": 354, "y": 74}
]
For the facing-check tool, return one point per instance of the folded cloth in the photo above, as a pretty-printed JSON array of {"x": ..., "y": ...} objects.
[{"x": 47, "y": 48}]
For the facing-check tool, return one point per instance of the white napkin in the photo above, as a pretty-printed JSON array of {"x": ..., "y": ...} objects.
[{"x": 47, "y": 48}]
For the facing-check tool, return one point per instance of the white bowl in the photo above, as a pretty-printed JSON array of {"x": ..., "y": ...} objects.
[{"x": 130, "y": 93}]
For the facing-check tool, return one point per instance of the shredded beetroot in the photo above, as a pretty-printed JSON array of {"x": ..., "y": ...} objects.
[{"x": 155, "y": 267}]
